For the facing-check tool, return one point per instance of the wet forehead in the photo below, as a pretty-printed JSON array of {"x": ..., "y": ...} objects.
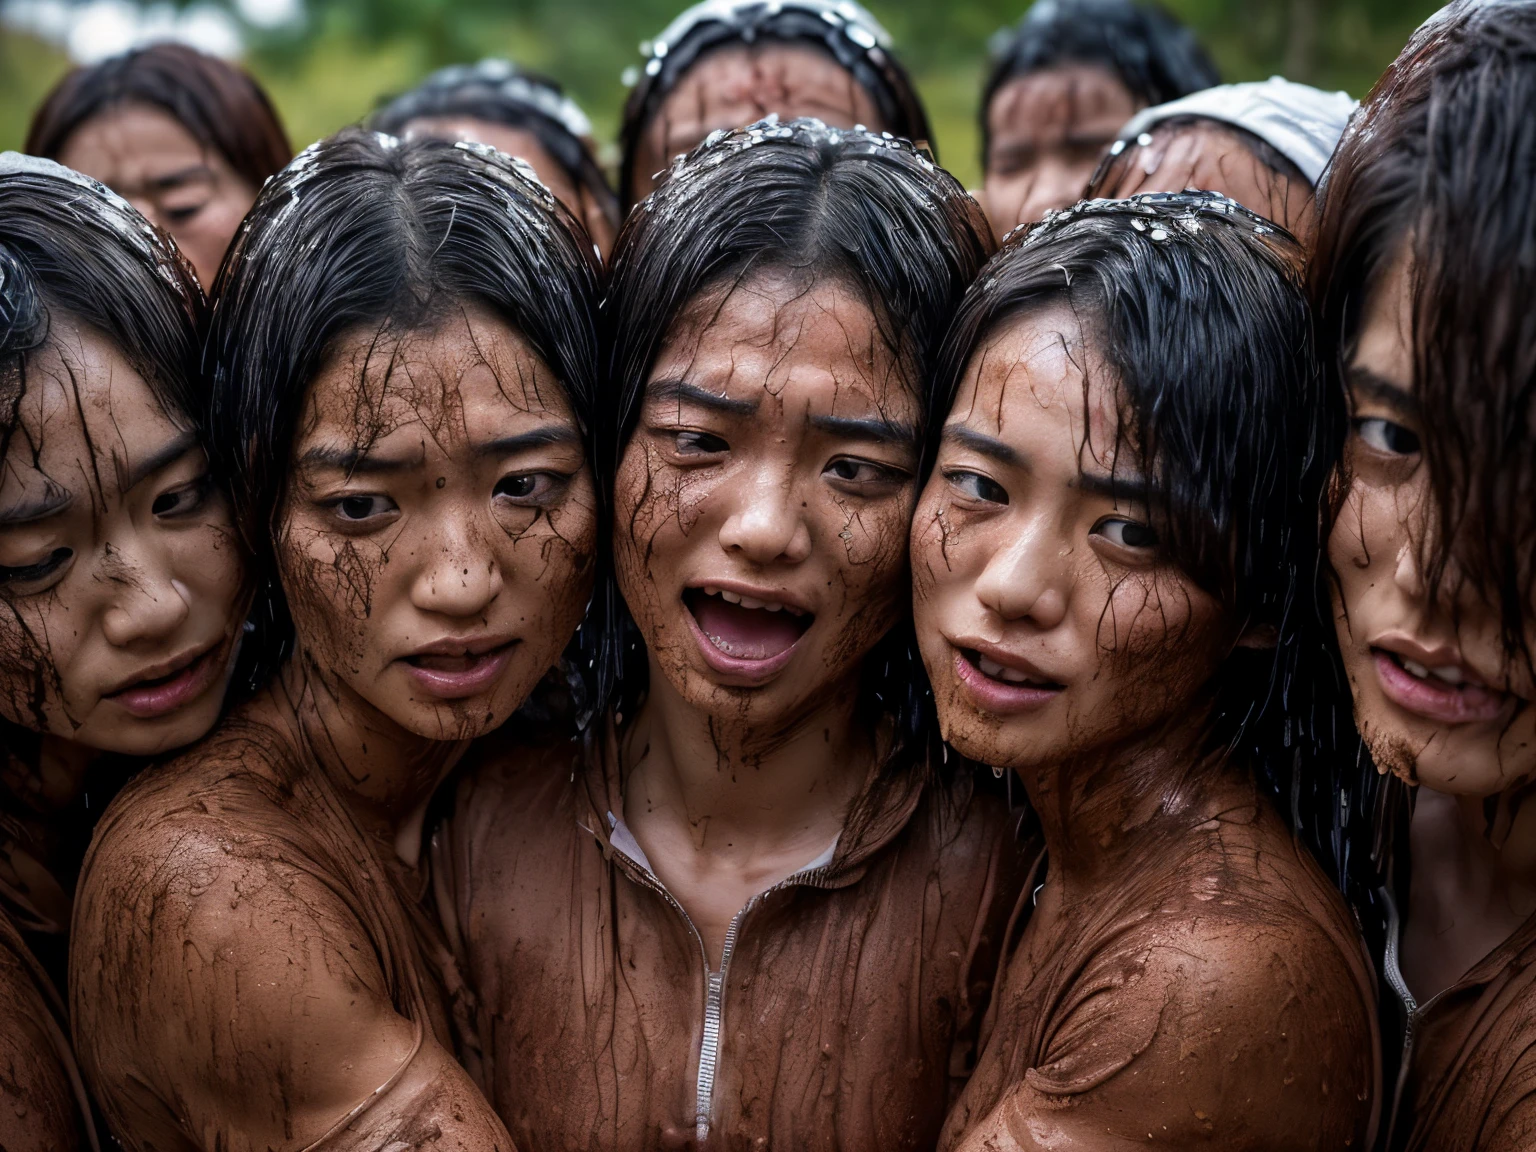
[
  {"x": 1054, "y": 103},
  {"x": 87, "y": 417},
  {"x": 132, "y": 145},
  {"x": 732, "y": 87},
  {"x": 448, "y": 381},
  {"x": 816, "y": 350}
]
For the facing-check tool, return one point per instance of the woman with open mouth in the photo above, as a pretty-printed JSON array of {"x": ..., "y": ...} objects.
[
  {"x": 403, "y": 353},
  {"x": 1112, "y": 562},
  {"x": 121, "y": 584},
  {"x": 1425, "y": 283},
  {"x": 754, "y": 907}
]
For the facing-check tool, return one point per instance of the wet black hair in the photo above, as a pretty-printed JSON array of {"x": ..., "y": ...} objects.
[
  {"x": 844, "y": 31},
  {"x": 1156, "y": 58},
  {"x": 499, "y": 92},
  {"x": 1196, "y": 308},
  {"x": 1440, "y": 164},
  {"x": 365, "y": 231},
  {"x": 72, "y": 252},
  {"x": 863, "y": 209},
  {"x": 214, "y": 100}
]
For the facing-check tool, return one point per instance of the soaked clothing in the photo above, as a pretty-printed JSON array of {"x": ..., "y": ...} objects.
[
  {"x": 154, "y": 886},
  {"x": 1468, "y": 1076},
  {"x": 843, "y": 1014},
  {"x": 1211, "y": 993}
]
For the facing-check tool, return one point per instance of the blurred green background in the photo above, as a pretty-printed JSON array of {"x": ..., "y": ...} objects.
[{"x": 327, "y": 63}]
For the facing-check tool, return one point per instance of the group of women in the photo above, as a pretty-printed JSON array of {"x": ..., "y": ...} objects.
[{"x": 749, "y": 661}]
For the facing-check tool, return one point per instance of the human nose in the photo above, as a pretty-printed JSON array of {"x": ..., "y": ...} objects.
[
  {"x": 1027, "y": 578},
  {"x": 768, "y": 523},
  {"x": 1055, "y": 184},
  {"x": 147, "y": 604},
  {"x": 462, "y": 575}
]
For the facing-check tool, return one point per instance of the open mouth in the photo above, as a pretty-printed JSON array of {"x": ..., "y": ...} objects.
[
  {"x": 157, "y": 696},
  {"x": 992, "y": 670},
  {"x": 744, "y": 628},
  {"x": 1000, "y": 689},
  {"x": 454, "y": 672},
  {"x": 1446, "y": 694}
]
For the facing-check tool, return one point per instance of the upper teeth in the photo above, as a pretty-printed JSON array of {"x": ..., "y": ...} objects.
[
  {"x": 995, "y": 670},
  {"x": 1450, "y": 674},
  {"x": 750, "y": 602}
]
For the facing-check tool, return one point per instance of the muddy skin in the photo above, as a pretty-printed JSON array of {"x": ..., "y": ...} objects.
[
  {"x": 147, "y": 157},
  {"x": 1467, "y": 943},
  {"x": 1186, "y": 974},
  {"x": 523, "y": 144},
  {"x": 125, "y": 570},
  {"x": 733, "y": 87},
  {"x": 1212, "y": 156},
  {"x": 741, "y": 813},
  {"x": 1048, "y": 131},
  {"x": 256, "y": 962}
]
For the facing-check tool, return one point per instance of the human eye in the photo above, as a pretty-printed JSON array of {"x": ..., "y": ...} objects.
[
  {"x": 851, "y": 470},
  {"x": 975, "y": 486},
  {"x": 1131, "y": 535},
  {"x": 530, "y": 488},
  {"x": 182, "y": 499},
  {"x": 1386, "y": 436},
  {"x": 689, "y": 442},
  {"x": 30, "y": 579},
  {"x": 363, "y": 512}
]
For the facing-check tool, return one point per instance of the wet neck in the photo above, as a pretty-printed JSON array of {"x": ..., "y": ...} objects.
[
  {"x": 385, "y": 773},
  {"x": 739, "y": 790},
  {"x": 1471, "y": 886},
  {"x": 1100, "y": 809}
]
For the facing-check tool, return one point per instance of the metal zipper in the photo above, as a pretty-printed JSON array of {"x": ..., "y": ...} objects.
[{"x": 714, "y": 982}]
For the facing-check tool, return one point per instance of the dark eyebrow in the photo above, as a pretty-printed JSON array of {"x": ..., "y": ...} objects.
[
  {"x": 538, "y": 438},
  {"x": 356, "y": 462},
  {"x": 170, "y": 454},
  {"x": 984, "y": 445},
  {"x": 874, "y": 431},
  {"x": 1383, "y": 391},
  {"x": 682, "y": 392},
  {"x": 180, "y": 177},
  {"x": 1132, "y": 489}
]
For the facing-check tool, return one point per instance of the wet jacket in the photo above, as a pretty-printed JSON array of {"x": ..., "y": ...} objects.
[
  {"x": 845, "y": 1009},
  {"x": 1468, "y": 1076}
]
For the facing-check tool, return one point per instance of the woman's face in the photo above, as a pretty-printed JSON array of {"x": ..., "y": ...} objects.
[
  {"x": 734, "y": 87},
  {"x": 120, "y": 583},
  {"x": 763, "y": 500},
  {"x": 1211, "y": 156},
  {"x": 436, "y": 543},
  {"x": 1435, "y": 699},
  {"x": 526, "y": 147},
  {"x": 145, "y": 155},
  {"x": 1049, "y": 621},
  {"x": 1047, "y": 132}
]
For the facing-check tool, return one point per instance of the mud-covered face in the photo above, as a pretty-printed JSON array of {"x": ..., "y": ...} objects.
[
  {"x": 1049, "y": 620},
  {"x": 145, "y": 155},
  {"x": 436, "y": 544},
  {"x": 525, "y": 145},
  {"x": 1435, "y": 698},
  {"x": 763, "y": 501},
  {"x": 734, "y": 87},
  {"x": 1212, "y": 157},
  {"x": 120, "y": 583},
  {"x": 1047, "y": 131}
]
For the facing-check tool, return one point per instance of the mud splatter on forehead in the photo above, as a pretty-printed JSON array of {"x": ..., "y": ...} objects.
[{"x": 95, "y": 202}]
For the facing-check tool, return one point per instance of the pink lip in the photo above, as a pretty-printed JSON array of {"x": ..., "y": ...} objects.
[
  {"x": 998, "y": 696},
  {"x": 750, "y": 673},
  {"x": 151, "y": 701},
  {"x": 480, "y": 671},
  {"x": 1434, "y": 700}
]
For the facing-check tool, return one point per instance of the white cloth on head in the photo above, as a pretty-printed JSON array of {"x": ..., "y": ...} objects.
[{"x": 1300, "y": 122}]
